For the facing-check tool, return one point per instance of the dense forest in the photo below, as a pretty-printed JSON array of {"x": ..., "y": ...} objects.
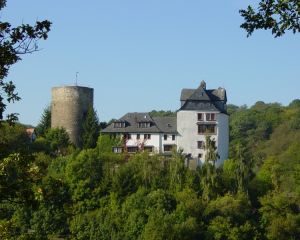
[{"x": 51, "y": 190}]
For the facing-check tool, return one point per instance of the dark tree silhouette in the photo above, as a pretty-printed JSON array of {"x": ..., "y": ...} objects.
[
  {"x": 14, "y": 42},
  {"x": 278, "y": 16}
]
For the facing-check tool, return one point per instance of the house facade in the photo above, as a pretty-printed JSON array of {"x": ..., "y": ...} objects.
[
  {"x": 203, "y": 113},
  {"x": 142, "y": 132}
]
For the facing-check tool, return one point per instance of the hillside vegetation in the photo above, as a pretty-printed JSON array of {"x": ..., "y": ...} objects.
[{"x": 51, "y": 190}]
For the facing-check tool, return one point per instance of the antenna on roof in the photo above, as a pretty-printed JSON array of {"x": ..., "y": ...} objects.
[{"x": 76, "y": 78}]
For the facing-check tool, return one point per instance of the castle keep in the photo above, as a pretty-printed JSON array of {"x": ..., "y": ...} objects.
[{"x": 68, "y": 109}]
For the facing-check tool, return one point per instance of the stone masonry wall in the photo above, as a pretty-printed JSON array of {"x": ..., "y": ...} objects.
[{"x": 68, "y": 108}]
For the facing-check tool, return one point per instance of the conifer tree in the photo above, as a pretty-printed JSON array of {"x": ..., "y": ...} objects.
[
  {"x": 90, "y": 129},
  {"x": 45, "y": 122},
  {"x": 209, "y": 171},
  {"x": 243, "y": 171}
]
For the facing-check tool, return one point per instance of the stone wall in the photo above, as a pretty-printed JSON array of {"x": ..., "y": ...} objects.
[{"x": 69, "y": 107}]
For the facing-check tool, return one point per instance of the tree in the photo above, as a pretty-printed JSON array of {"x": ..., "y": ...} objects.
[
  {"x": 51, "y": 217},
  {"x": 162, "y": 113},
  {"x": 90, "y": 129},
  {"x": 45, "y": 122},
  {"x": 243, "y": 169},
  {"x": 229, "y": 217},
  {"x": 209, "y": 171},
  {"x": 58, "y": 140},
  {"x": 16, "y": 173},
  {"x": 84, "y": 174},
  {"x": 14, "y": 42},
  {"x": 280, "y": 215},
  {"x": 277, "y": 15},
  {"x": 13, "y": 139}
]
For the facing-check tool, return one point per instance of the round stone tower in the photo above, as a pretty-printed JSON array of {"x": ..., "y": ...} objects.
[{"x": 69, "y": 107}]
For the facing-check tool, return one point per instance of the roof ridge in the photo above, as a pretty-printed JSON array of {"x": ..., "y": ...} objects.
[{"x": 200, "y": 94}]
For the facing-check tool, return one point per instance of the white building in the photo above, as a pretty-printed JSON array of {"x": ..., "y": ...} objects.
[
  {"x": 140, "y": 132},
  {"x": 202, "y": 113}
]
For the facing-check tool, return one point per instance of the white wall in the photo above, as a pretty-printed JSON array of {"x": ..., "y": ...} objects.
[
  {"x": 223, "y": 137},
  {"x": 188, "y": 134},
  {"x": 169, "y": 140},
  {"x": 155, "y": 141}
]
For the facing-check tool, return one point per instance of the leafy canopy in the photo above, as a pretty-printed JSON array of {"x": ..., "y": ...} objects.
[
  {"x": 278, "y": 16},
  {"x": 15, "y": 42}
]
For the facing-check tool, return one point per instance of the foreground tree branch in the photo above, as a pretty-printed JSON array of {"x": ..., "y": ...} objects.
[
  {"x": 278, "y": 16},
  {"x": 14, "y": 42}
]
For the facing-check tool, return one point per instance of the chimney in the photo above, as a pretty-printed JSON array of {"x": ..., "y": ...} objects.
[{"x": 203, "y": 84}]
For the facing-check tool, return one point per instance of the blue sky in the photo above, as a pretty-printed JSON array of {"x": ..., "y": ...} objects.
[{"x": 139, "y": 54}]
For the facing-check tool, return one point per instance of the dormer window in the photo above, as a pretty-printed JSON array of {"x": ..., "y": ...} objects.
[
  {"x": 119, "y": 124},
  {"x": 144, "y": 124}
]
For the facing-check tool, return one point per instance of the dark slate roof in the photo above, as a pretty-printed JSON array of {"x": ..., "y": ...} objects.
[
  {"x": 158, "y": 124},
  {"x": 204, "y": 99},
  {"x": 166, "y": 124},
  {"x": 214, "y": 94},
  {"x": 200, "y": 106}
]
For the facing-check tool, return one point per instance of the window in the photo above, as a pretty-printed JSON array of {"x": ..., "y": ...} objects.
[
  {"x": 148, "y": 148},
  {"x": 173, "y": 137},
  {"x": 132, "y": 149},
  {"x": 168, "y": 148},
  {"x": 147, "y": 136},
  {"x": 210, "y": 117},
  {"x": 206, "y": 129},
  {"x": 127, "y": 136},
  {"x": 113, "y": 136},
  {"x": 200, "y": 116},
  {"x": 200, "y": 145},
  {"x": 119, "y": 124},
  {"x": 210, "y": 129},
  {"x": 144, "y": 124},
  {"x": 165, "y": 137},
  {"x": 201, "y": 128},
  {"x": 117, "y": 149},
  {"x": 138, "y": 136}
]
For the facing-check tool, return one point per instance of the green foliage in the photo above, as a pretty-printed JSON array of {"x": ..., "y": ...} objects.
[
  {"x": 90, "y": 129},
  {"x": 229, "y": 218},
  {"x": 162, "y": 113},
  {"x": 14, "y": 42},
  {"x": 281, "y": 215},
  {"x": 51, "y": 218},
  {"x": 243, "y": 169},
  {"x": 58, "y": 140},
  {"x": 209, "y": 181},
  {"x": 276, "y": 15},
  {"x": 106, "y": 143},
  {"x": 228, "y": 175},
  {"x": 13, "y": 139},
  {"x": 83, "y": 174},
  {"x": 96, "y": 194},
  {"x": 16, "y": 172},
  {"x": 45, "y": 122}
]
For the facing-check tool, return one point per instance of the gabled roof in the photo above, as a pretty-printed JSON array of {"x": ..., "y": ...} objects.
[
  {"x": 214, "y": 94},
  {"x": 199, "y": 95},
  {"x": 157, "y": 124},
  {"x": 204, "y": 99}
]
